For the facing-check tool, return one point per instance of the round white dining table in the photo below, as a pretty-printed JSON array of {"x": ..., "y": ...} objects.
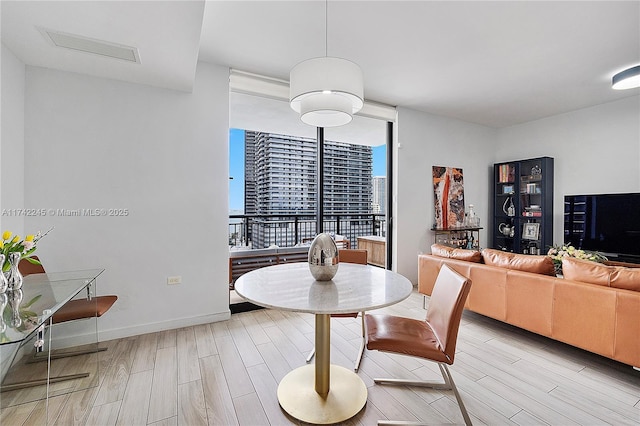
[{"x": 323, "y": 393}]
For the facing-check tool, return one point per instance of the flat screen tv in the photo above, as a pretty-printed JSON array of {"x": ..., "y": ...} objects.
[{"x": 608, "y": 223}]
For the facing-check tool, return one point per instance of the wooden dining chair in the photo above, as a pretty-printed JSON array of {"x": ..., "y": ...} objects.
[
  {"x": 359, "y": 257},
  {"x": 75, "y": 309},
  {"x": 433, "y": 339}
]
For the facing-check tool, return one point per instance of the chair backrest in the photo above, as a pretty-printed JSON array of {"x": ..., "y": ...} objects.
[
  {"x": 353, "y": 256},
  {"x": 445, "y": 308},
  {"x": 27, "y": 268}
]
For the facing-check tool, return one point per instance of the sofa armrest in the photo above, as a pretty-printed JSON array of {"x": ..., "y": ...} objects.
[{"x": 487, "y": 295}]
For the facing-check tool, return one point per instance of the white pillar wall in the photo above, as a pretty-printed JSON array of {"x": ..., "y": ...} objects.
[
  {"x": 154, "y": 163},
  {"x": 12, "y": 143},
  {"x": 11, "y": 155}
]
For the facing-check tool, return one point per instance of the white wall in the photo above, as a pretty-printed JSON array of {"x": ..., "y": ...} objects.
[
  {"x": 11, "y": 155},
  {"x": 93, "y": 143},
  {"x": 596, "y": 150},
  {"x": 426, "y": 140},
  {"x": 12, "y": 143}
]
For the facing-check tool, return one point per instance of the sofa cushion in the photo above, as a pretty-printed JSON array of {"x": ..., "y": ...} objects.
[
  {"x": 519, "y": 262},
  {"x": 586, "y": 271},
  {"x": 456, "y": 253},
  {"x": 626, "y": 278},
  {"x": 597, "y": 273}
]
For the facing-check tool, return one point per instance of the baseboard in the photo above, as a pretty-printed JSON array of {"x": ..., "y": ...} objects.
[{"x": 119, "y": 333}]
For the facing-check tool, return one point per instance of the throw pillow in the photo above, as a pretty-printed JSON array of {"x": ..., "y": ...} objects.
[
  {"x": 456, "y": 253},
  {"x": 521, "y": 262}
]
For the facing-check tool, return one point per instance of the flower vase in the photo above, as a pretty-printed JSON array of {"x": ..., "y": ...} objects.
[
  {"x": 14, "y": 277},
  {"x": 15, "y": 299},
  {"x": 3, "y": 279},
  {"x": 3, "y": 304}
]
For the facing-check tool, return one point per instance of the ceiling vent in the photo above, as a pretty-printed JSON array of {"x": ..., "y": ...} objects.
[{"x": 89, "y": 45}]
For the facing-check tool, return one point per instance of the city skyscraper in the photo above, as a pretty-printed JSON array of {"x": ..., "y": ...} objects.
[
  {"x": 379, "y": 192},
  {"x": 280, "y": 180},
  {"x": 250, "y": 200}
]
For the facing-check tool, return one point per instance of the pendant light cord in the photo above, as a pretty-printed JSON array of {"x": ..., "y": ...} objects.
[{"x": 326, "y": 28}]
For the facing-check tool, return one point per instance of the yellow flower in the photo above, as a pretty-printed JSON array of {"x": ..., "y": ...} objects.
[
  {"x": 1, "y": 244},
  {"x": 29, "y": 238},
  {"x": 16, "y": 239},
  {"x": 6, "y": 235}
]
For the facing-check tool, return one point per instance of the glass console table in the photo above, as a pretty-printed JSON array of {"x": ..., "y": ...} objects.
[{"x": 28, "y": 369}]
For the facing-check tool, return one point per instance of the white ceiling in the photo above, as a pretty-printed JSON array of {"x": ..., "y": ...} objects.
[
  {"x": 166, "y": 34},
  {"x": 493, "y": 63}
]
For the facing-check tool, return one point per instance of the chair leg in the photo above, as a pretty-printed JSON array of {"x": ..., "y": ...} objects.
[
  {"x": 465, "y": 415},
  {"x": 40, "y": 382},
  {"x": 447, "y": 385},
  {"x": 311, "y": 355},
  {"x": 416, "y": 383},
  {"x": 363, "y": 344},
  {"x": 42, "y": 358}
]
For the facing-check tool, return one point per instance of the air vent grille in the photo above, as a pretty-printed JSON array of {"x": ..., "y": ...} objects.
[{"x": 88, "y": 45}]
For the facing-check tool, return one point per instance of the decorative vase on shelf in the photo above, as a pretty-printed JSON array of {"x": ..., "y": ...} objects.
[
  {"x": 3, "y": 280},
  {"x": 323, "y": 257},
  {"x": 473, "y": 220},
  {"x": 14, "y": 277}
]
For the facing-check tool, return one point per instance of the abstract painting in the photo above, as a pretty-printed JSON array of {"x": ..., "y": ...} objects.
[{"x": 448, "y": 193}]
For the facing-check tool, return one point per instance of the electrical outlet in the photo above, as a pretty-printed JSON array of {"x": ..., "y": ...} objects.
[{"x": 174, "y": 280}]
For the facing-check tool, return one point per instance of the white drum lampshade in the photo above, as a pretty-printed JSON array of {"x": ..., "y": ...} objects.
[
  {"x": 627, "y": 79},
  {"x": 326, "y": 91}
]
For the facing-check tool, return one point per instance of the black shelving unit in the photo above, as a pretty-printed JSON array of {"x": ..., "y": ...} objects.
[{"x": 523, "y": 206}]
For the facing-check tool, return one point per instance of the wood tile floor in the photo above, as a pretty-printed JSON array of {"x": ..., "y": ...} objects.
[{"x": 226, "y": 373}]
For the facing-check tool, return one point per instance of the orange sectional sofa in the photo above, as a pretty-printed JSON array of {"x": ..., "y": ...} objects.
[{"x": 522, "y": 291}]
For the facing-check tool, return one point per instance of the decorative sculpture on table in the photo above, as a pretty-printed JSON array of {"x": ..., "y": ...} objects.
[
  {"x": 323, "y": 257},
  {"x": 448, "y": 192}
]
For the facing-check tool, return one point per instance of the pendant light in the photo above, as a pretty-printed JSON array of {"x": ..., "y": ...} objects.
[
  {"x": 326, "y": 91},
  {"x": 627, "y": 79}
]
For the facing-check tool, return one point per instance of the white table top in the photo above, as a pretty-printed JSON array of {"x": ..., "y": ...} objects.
[{"x": 355, "y": 288}]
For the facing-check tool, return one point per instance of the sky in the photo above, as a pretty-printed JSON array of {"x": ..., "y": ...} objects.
[{"x": 236, "y": 167}]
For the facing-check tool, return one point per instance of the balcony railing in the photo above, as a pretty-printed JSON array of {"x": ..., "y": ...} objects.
[{"x": 262, "y": 231}]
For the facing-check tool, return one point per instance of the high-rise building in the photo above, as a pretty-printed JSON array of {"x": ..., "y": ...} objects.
[
  {"x": 249, "y": 173},
  {"x": 379, "y": 192},
  {"x": 280, "y": 180},
  {"x": 347, "y": 178}
]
